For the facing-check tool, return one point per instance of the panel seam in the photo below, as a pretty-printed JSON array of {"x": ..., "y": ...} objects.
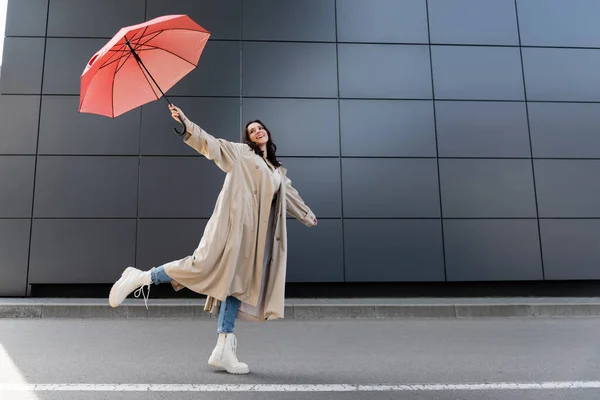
[
  {"x": 241, "y": 93},
  {"x": 139, "y": 170},
  {"x": 339, "y": 111},
  {"x": 437, "y": 151},
  {"x": 37, "y": 146},
  {"x": 535, "y": 196}
]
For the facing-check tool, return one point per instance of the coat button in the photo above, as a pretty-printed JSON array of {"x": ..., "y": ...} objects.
[
  {"x": 277, "y": 239},
  {"x": 256, "y": 166},
  {"x": 255, "y": 192}
]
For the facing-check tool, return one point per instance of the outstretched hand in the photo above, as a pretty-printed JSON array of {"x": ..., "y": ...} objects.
[
  {"x": 176, "y": 113},
  {"x": 180, "y": 117}
]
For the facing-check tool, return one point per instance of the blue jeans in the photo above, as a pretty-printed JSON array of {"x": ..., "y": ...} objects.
[{"x": 227, "y": 312}]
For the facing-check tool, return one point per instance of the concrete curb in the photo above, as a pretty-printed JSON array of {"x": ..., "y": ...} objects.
[{"x": 312, "y": 309}]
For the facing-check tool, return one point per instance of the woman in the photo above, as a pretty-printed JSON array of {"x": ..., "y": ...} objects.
[{"x": 240, "y": 263}]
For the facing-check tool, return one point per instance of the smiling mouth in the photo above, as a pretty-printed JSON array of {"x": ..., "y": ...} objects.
[{"x": 260, "y": 136}]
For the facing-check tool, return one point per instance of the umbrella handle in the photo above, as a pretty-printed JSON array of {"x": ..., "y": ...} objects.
[{"x": 183, "y": 130}]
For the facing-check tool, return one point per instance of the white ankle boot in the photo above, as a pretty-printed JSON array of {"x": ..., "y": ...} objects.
[
  {"x": 131, "y": 279},
  {"x": 224, "y": 355}
]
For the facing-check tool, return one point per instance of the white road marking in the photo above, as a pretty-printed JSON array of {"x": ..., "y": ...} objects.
[{"x": 77, "y": 387}]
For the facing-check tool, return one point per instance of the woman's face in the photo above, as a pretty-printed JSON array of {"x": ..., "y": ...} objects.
[{"x": 257, "y": 134}]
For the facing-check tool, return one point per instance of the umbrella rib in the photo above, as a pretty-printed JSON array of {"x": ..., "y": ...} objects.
[
  {"x": 141, "y": 36},
  {"x": 138, "y": 44},
  {"x": 170, "y": 52},
  {"x": 169, "y": 29},
  {"x": 116, "y": 60},
  {"x": 127, "y": 57},
  {"x": 125, "y": 51},
  {"x": 112, "y": 56}
]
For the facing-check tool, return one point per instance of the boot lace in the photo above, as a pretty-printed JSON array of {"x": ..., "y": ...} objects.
[{"x": 139, "y": 291}]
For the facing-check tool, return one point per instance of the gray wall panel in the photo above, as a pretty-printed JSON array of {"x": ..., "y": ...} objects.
[
  {"x": 315, "y": 254},
  {"x": 63, "y": 130},
  {"x": 390, "y": 188},
  {"x": 219, "y": 117},
  {"x": 568, "y": 188},
  {"x": 490, "y": 22},
  {"x": 65, "y": 62},
  {"x": 81, "y": 251},
  {"x": 317, "y": 180},
  {"x": 289, "y": 69},
  {"x": 22, "y": 66},
  {"x": 306, "y": 20},
  {"x": 217, "y": 74},
  {"x": 178, "y": 187},
  {"x": 382, "y": 21},
  {"x": 14, "y": 254},
  {"x": 19, "y": 116},
  {"x": 559, "y": 23},
  {"x": 221, "y": 18},
  {"x": 393, "y": 250},
  {"x": 387, "y": 128},
  {"x": 477, "y": 73},
  {"x": 482, "y": 129},
  {"x": 26, "y": 18},
  {"x": 297, "y": 124},
  {"x": 487, "y": 188},
  {"x": 350, "y": 102},
  {"x": 562, "y": 74},
  {"x": 492, "y": 250},
  {"x": 572, "y": 243},
  {"x": 86, "y": 187},
  {"x": 164, "y": 240},
  {"x": 93, "y": 18},
  {"x": 567, "y": 130},
  {"x": 384, "y": 71},
  {"x": 16, "y": 181}
]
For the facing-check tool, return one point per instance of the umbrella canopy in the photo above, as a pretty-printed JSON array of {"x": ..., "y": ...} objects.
[{"x": 140, "y": 63}]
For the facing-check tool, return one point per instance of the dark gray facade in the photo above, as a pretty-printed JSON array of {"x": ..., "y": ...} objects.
[{"x": 438, "y": 140}]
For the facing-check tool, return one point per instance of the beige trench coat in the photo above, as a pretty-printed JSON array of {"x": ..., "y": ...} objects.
[{"x": 229, "y": 259}]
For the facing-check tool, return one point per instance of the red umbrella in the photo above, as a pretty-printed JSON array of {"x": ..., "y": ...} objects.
[{"x": 140, "y": 63}]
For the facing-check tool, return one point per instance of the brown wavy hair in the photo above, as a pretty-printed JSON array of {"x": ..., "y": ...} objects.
[{"x": 271, "y": 147}]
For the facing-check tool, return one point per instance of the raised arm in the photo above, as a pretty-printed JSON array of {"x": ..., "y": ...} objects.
[
  {"x": 296, "y": 206},
  {"x": 221, "y": 151}
]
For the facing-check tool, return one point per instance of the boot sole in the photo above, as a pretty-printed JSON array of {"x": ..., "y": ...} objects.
[{"x": 218, "y": 367}]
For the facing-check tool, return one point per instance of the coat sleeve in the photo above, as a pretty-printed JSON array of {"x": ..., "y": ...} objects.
[
  {"x": 221, "y": 151},
  {"x": 296, "y": 206}
]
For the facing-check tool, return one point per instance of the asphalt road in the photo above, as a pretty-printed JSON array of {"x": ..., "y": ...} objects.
[{"x": 136, "y": 357}]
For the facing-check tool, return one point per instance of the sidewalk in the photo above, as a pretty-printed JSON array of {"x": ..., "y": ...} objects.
[{"x": 313, "y": 309}]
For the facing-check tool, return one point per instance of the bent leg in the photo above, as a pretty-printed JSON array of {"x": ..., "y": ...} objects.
[
  {"x": 159, "y": 275},
  {"x": 135, "y": 279}
]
